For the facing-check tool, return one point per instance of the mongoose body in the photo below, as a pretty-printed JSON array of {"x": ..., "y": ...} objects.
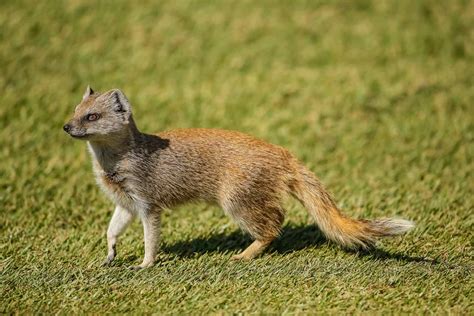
[
  {"x": 195, "y": 164},
  {"x": 247, "y": 177}
]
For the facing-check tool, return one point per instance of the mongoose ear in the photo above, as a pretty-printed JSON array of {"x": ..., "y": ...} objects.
[
  {"x": 88, "y": 92},
  {"x": 119, "y": 101}
]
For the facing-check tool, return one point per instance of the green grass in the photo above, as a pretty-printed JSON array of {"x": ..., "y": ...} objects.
[{"x": 376, "y": 97}]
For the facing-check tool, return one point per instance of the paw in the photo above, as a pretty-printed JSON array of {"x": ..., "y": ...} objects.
[
  {"x": 108, "y": 261},
  {"x": 240, "y": 257},
  {"x": 144, "y": 265}
]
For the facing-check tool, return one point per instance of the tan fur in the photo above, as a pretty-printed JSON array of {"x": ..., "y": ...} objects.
[{"x": 247, "y": 177}]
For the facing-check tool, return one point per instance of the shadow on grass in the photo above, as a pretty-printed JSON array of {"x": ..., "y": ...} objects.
[
  {"x": 293, "y": 238},
  {"x": 380, "y": 254}
]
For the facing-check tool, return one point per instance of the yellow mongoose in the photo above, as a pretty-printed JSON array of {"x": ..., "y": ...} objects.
[{"x": 247, "y": 177}]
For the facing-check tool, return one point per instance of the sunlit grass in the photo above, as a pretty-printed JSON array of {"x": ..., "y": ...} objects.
[{"x": 375, "y": 97}]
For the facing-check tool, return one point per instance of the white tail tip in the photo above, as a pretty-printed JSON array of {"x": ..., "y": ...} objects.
[{"x": 395, "y": 226}]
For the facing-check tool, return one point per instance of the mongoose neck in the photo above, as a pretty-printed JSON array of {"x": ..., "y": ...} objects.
[{"x": 109, "y": 151}]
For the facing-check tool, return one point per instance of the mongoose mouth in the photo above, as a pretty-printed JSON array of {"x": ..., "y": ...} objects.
[
  {"x": 79, "y": 136},
  {"x": 68, "y": 129}
]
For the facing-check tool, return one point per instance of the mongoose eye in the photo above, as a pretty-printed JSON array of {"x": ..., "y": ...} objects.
[{"x": 92, "y": 117}]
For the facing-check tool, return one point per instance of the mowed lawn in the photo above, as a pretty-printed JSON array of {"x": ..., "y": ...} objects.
[{"x": 376, "y": 97}]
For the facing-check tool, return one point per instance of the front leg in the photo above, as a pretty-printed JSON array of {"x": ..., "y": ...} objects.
[
  {"x": 118, "y": 223},
  {"x": 151, "y": 229}
]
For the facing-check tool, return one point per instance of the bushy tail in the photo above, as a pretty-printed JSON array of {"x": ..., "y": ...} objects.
[{"x": 349, "y": 233}]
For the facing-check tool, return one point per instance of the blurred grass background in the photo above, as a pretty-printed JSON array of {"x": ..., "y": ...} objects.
[{"x": 375, "y": 96}]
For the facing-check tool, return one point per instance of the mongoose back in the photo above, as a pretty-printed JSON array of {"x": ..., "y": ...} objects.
[{"x": 247, "y": 177}]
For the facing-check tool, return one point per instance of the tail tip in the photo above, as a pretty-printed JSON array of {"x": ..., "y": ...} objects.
[{"x": 399, "y": 226}]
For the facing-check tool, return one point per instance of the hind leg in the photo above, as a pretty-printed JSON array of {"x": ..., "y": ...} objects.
[{"x": 264, "y": 225}]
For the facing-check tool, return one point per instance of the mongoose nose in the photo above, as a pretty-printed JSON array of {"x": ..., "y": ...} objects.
[{"x": 67, "y": 128}]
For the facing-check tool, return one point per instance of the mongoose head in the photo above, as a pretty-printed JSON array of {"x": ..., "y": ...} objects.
[{"x": 100, "y": 116}]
